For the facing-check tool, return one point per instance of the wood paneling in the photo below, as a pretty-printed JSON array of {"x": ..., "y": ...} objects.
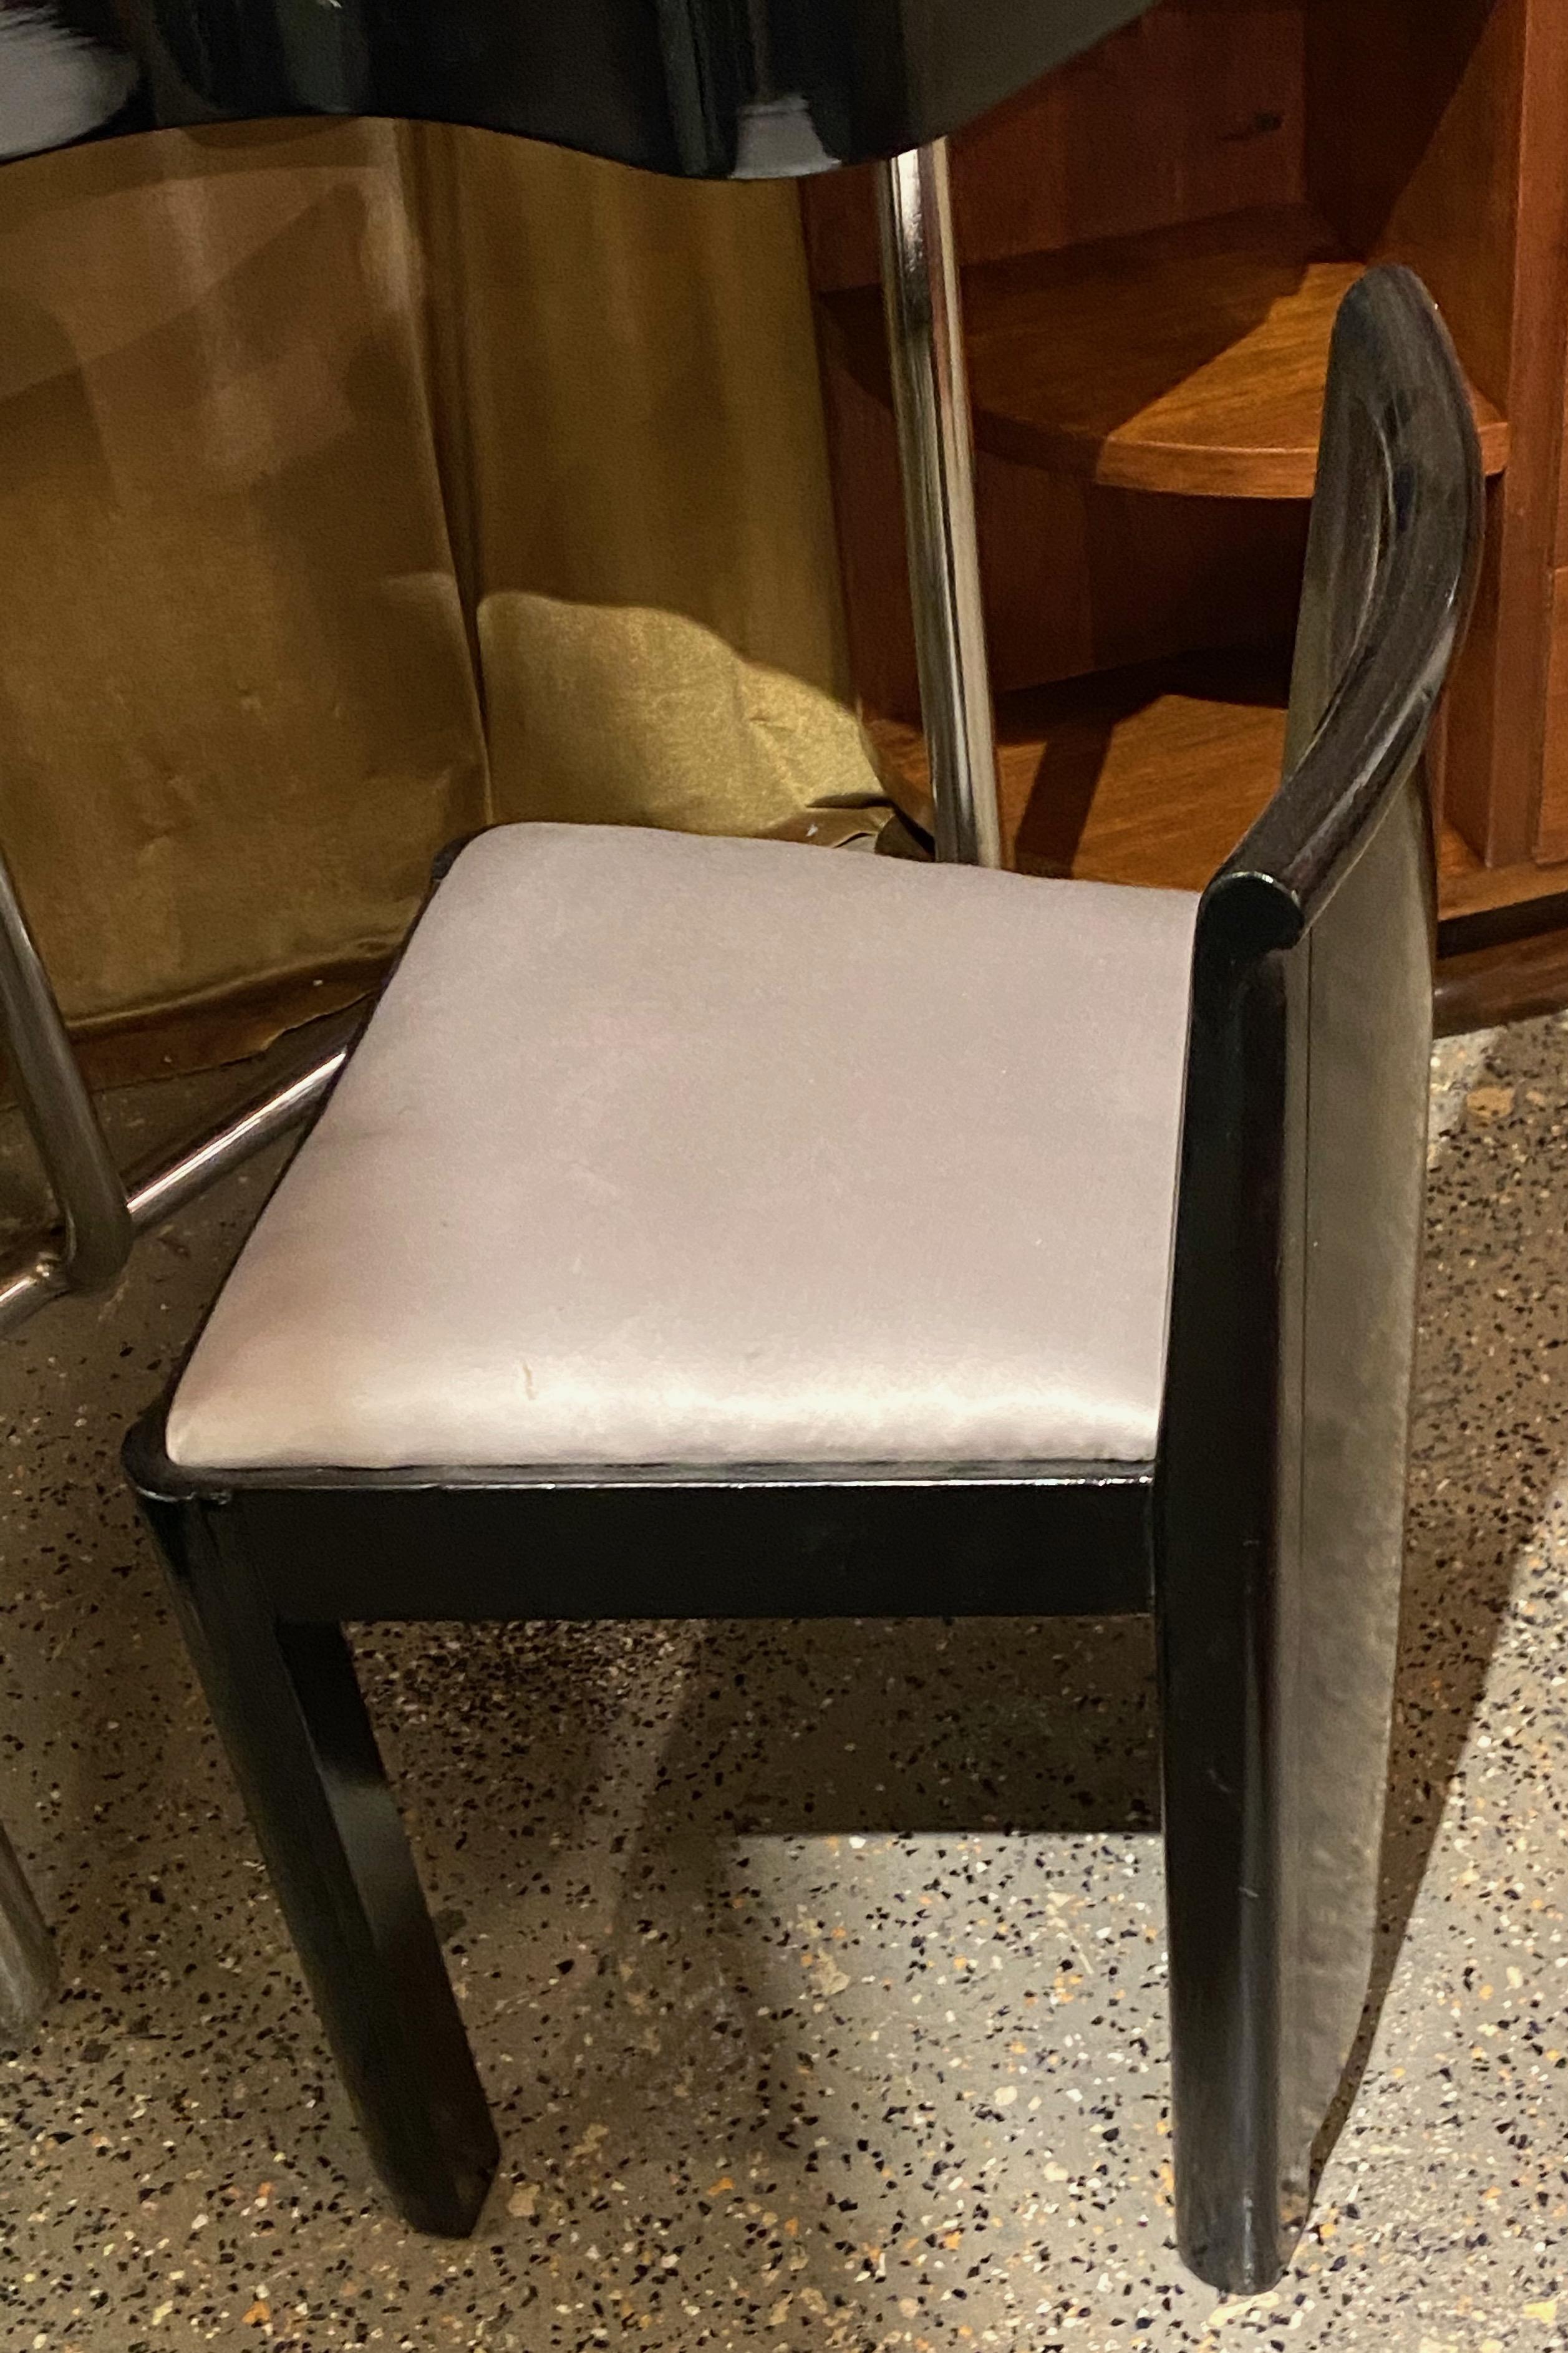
[
  {"x": 1412, "y": 151},
  {"x": 1194, "y": 109},
  {"x": 1436, "y": 137},
  {"x": 1468, "y": 887},
  {"x": 1154, "y": 239},
  {"x": 1561, "y": 543},
  {"x": 1503, "y": 682},
  {"x": 1150, "y": 577},
  {"x": 1552, "y": 832},
  {"x": 1185, "y": 360},
  {"x": 1508, "y": 982},
  {"x": 1152, "y": 775},
  {"x": 1076, "y": 577},
  {"x": 1145, "y": 775}
]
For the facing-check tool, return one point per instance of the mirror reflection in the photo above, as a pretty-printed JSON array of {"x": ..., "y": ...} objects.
[{"x": 63, "y": 75}]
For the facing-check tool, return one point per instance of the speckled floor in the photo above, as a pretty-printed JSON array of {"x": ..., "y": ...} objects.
[{"x": 816, "y": 1974}]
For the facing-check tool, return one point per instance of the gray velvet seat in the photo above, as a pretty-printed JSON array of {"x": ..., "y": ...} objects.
[{"x": 677, "y": 1150}]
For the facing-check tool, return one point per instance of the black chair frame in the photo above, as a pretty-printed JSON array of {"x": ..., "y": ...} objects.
[{"x": 1265, "y": 1536}]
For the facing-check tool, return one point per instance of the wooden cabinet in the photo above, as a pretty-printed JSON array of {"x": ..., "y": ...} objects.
[
  {"x": 1552, "y": 840},
  {"x": 1154, "y": 239}
]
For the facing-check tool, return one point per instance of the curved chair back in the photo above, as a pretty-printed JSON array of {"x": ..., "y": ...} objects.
[
  {"x": 706, "y": 89},
  {"x": 1284, "y": 1451}
]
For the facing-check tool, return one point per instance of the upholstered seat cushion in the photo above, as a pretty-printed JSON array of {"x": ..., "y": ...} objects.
[{"x": 667, "y": 1149}]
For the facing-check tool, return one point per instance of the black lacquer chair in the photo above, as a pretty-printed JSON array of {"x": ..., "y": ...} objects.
[
  {"x": 518, "y": 1335},
  {"x": 700, "y": 87},
  {"x": 559, "y": 1235}
]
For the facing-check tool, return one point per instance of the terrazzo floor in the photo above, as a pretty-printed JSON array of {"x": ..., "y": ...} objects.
[{"x": 816, "y": 1974}]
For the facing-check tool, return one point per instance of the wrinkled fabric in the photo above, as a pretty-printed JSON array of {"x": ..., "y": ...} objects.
[{"x": 360, "y": 484}]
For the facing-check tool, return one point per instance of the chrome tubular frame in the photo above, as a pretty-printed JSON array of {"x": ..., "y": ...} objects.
[
  {"x": 100, "y": 1216},
  {"x": 58, "y": 1110},
  {"x": 931, "y": 404},
  {"x": 34, "y": 1276}
]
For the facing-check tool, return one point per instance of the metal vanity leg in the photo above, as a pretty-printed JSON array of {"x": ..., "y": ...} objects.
[
  {"x": 58, "y": 1109},
  {"x": 931, "y": 403},
  {"x": 99, "y": 1220},
  {"x": 28, "y": 1971},
  {"x": 97, "y": 1241}
]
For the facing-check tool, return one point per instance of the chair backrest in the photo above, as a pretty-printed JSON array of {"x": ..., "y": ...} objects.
[
  {"x": 1283, "y": 1454},
  {"x": 706, "y": 89}
]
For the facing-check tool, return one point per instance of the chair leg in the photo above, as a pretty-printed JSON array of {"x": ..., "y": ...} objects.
[
  {"x": 1276, "y": 1705},
  {"x": 1224, "y": 1989},
  {"x": 1277, "y": 1667},
  {"x": 289, "y": 1709}
]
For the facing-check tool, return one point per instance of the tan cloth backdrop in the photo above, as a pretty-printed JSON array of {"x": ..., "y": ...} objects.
[{"x": 360, "y": 484}]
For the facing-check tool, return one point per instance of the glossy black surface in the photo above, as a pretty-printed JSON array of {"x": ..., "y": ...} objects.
[
  {"x": 1269, "y": 1534},
  {"x": 304, "y": 1752},
  {"x": 1028, "y": 1540},
  {"x": 256, "y": 1568},
  {"x": 708, "y": 88},
  {"x": 1280, "y": 1512}
]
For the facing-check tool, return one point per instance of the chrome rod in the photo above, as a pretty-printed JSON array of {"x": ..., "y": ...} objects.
[
  {"x": 29, "y": 1970},
  {"x": 38, "y": 1274},
  {"x": 58, "y": 1109},
  {"x": 931, "y": 405},
  {"x": 160, "y": 1191}
]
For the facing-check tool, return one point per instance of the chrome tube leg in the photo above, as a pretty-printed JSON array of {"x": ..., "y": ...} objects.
[
  {"x": 931, "y": 404},
  {"x": 58, "y": 1109},
  {"x": 28, "y": 1971},
  {"x": 37, "y": 1275}
]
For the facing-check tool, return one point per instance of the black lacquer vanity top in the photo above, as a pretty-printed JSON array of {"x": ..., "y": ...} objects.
[{"x": 707, "y": 89}]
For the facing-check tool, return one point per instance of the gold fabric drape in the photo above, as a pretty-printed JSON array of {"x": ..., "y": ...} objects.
[{"x": 361, "y": 484}]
